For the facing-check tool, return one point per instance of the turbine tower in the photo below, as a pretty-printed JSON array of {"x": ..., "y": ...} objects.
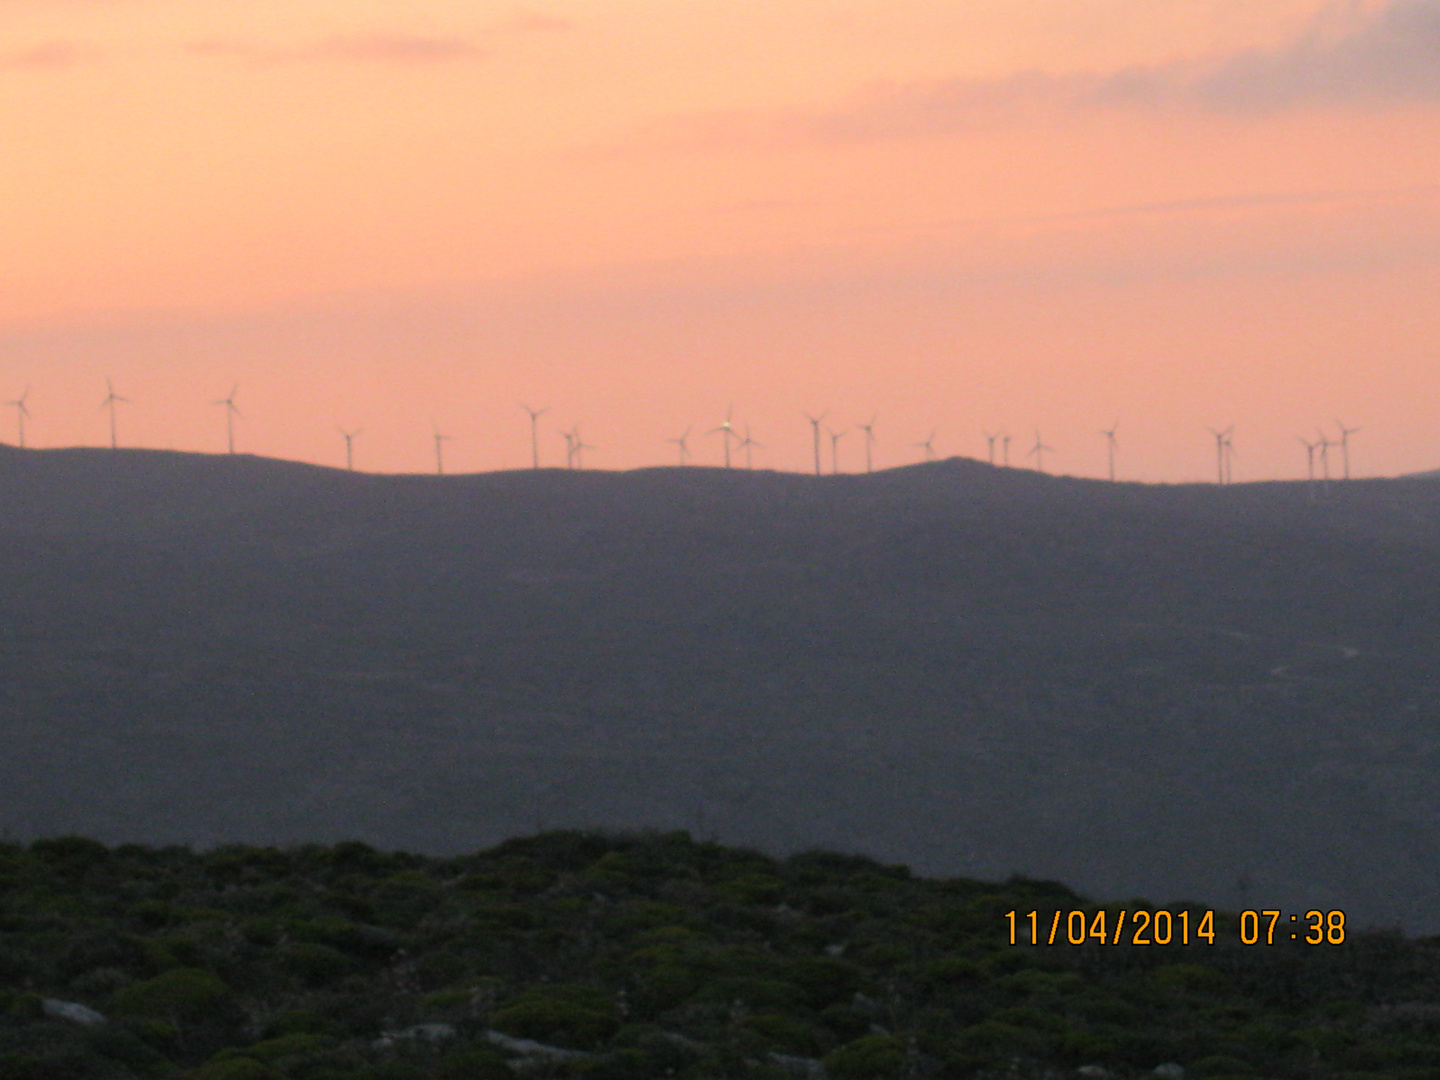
[
  {"x": 869, "y": 430},
  {"x": 1005, "y": 450},
  {"x": 1345, "y": 434},
  {"x": 21, "y": 412},
  {"x": 1220, "y": 439},
  {"x": 349, "y": 437},
  {"x": 1325, "y": 445},
  {"x": 747, "y": 444},
  {"x": 1110, "y": 445},
  {"x": 111, "y": 400},
  {"x": 231, "y": 411},
  {"x": 680, "y": 442},
  {"x": 835, "y": 448},
  {"x": 535, "y": 415},
  {"x": 1229, "y": 456},
  {"x": 728, "y": 431},
  {"x": 815, "y": 425},
  {"x": 440, "y": 441},
  {"x": 928, "y": 445},
  {"x": 1310, "y": 448},
  {"x": 580, "y": 447},
  {"x": 1038, "y": 450},
  {"x": 990, "y": 445},
  {"x": 569, "y": 438}
]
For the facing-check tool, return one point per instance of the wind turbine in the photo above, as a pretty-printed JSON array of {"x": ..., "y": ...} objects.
[
  {"x": 1325, "y": 445},
  {"x": 835, "y": 448},
  {"x": 349, "y": 437},
  {"x": 815, "y": 425},
  {"x": 1110, "y": 445},
  {"x": 1039, "y": 451},
  {"x": 728, "y": 431},
  {"x": 569, "y": 438},
  {"x": 1345, "y": 434},
  {"x": 990, "y": 444},
  {"x": 440, "y": 441},
  {"x": 580, "y": 447},
  {"x": 1220, "y": 438},
  {"x": 1310, "y": 448},
  {"x": 230, "y": 413},
  {"x": 869, "y": 430},
  {"x": 1005, "y": 448},
  {"x": 1229, "y": 456},
  {"x": 928, "y": 445},
  {"x": 535, "y": 415},
  {"x": 111, "y": 400},
  {"x": 21, "y": 412},
  {"x": 748, "y": 444},
  {"x": 680, "y": 442}
]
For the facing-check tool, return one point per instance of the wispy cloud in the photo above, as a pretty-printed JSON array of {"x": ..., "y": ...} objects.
[
  {"x": 1349, "y": 55},
  {"x": 385, "y": 48},
  {"x": 47, "y": 56}
]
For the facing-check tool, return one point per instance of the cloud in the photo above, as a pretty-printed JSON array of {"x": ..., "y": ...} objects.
[
  {"x": 47, "y": 56},
  {"x": 1349, "y": 55},
  {"x": 386, "y": 48}
]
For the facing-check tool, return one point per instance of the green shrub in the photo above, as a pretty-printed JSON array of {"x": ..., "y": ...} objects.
[
  {"x": 181, "y": 993},
  {"x": 568, "y": 1014},
  {"x": 236, "y": 1068},
  {"x": 316, "y": 965},
  {"x": 872, "y": 1057},
  {"x": 480, "y": 1063}
]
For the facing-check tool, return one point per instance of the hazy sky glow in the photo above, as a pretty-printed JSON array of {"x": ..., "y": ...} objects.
[{"x": 1000, "y": 214}]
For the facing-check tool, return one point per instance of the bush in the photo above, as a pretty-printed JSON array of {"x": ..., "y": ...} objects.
[
  {"x": 873, "y": 1057},
  {"x": 571, "y": 1015},
  {"x": 181, "y": 993}
]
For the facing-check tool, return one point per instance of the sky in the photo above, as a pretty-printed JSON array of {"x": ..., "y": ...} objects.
[{"x": 1018, "y": 216}]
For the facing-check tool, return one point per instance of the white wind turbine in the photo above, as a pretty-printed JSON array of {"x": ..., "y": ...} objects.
[
  {"x": 928, "y": 445},
  {"x": 231, "y": 411},
  {"x": 440, "y": 441},
  {"x": 21, "y": 413},
  {"x": 111, "y": 400},
  {"x": 349, "y": 437},
  {"x": 535, "y": 415},
  {"x": 835, "y": 448},
  {"x": 747, "y": 444},
  {"x": 869, "y": 430},
  {"x": 815, "y": 426},
  {"x": 728, "y": 431},
  {"x": 680, "y": 442}
]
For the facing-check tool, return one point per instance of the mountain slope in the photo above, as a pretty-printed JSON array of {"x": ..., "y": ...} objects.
[{"x": 1225, "y": 694}]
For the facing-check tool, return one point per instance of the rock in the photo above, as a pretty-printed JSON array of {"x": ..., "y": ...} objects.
[
  {"x": 531, "y": 1048},
  {"x": 72, "y": 1011},
  {"x": 427, "y": 1032},
  {"x": 799, "y": 1066}
]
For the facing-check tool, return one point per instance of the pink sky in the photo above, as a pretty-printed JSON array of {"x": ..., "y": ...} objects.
[{"x": 962, "y": 217}]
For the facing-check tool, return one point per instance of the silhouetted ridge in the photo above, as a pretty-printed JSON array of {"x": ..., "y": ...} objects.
[{"x": 1138, "y": 689}]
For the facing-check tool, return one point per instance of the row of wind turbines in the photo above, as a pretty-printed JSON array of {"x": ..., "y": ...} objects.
[{"x": 575, "y": 445}]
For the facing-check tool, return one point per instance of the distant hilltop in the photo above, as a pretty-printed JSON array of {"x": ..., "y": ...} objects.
[{"x": 1222, "y": 694}]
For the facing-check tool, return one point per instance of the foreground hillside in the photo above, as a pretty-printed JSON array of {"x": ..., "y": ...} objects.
[
  {"x": 631, "y": 958},
  {"x": 1227, "y": 694}
]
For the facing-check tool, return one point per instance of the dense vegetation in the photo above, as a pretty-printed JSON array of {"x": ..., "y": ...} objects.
[{"x": 613, "y": 956}]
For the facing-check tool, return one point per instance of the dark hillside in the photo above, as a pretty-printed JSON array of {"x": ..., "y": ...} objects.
[{"x": 1227, "y": 694}]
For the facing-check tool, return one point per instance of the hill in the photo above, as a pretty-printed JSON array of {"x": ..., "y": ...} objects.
[{"x": 1226, "y": 694}]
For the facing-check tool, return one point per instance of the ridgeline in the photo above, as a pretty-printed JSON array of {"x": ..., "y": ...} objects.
[{"x": 1223, "y": 694}]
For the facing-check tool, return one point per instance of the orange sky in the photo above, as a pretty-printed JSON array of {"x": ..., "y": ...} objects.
[{"x": 1000, "y": 214}]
